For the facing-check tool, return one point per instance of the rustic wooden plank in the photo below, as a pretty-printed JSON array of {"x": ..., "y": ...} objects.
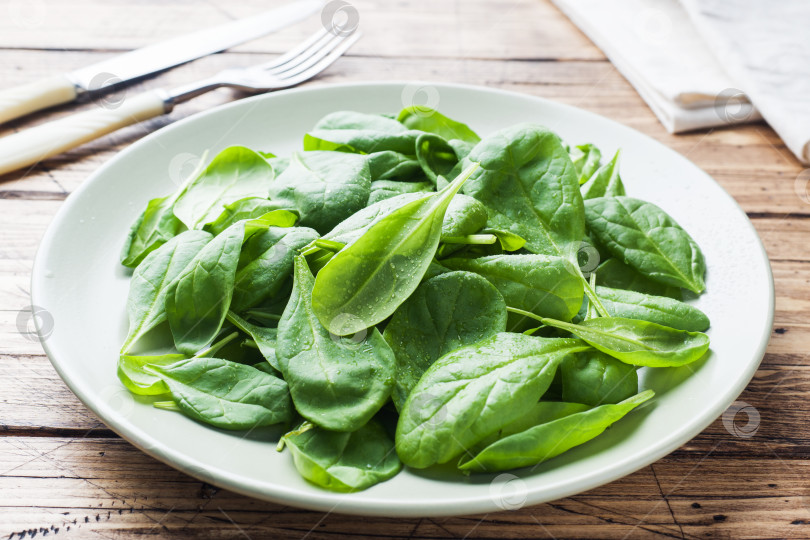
[
  {"x": 476, "y": 29},
  {"x": 109, "y": 488}
]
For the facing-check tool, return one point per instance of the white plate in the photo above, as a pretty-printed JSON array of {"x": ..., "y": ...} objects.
[{"x": 78, "y": 280}]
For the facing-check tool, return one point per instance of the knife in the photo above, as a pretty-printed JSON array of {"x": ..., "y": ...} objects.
[{"x": 104, "y": 75}]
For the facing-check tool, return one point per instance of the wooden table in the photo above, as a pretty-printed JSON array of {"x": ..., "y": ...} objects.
[{"x": 62, "y": 471}]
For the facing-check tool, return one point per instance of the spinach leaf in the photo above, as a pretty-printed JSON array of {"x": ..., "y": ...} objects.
[
  {"x": 605, "y": 182},
  {"x": 386, "y": 189},
  {"x": 594, "y": 378},
  {"x": 445, "y": 313},
  {"x": 473, "y": 391},
  {"x": 226, "y": 394},
  {"x": 251, "y": 208},
  {"x": 197, "y": 301},
  {"x": 435, "y": 156},
  {"x": 539, "y": 413},
  {"x": 324, "y": 188},
  {"x": 235, "y": 173},
  {"x": 265, "y": 263},
  {"x": 390, "y": 165},
  {"x": 464, "y": 216},
  {"x": 537, "y": 283},
  {"x": 153, "y": 278},
  {"x": 425, "y": 119},
  {"x": 658, "y": 309},
  {"x": 153, "y": 228},
  {"x": 639, "y": 343},
  {"x": 344, "y": 462},
  {"x": 337, "y": 383},
  {"x": 509, "y": 241},
  {"x": 545, "y": 441},
  {"x": 585, "y": 158},
  {"x": 353, "y": 227},
  {"x": 529, "y": 186},
  {"x": 265, "y": 338},
  {"x": 346, "y": 131},
  {"x": 617, "y": 275},
  {"x": 367, "y": 280},
  {"x": 133, "y": 374},
  {"x": 643, "y": 236}
]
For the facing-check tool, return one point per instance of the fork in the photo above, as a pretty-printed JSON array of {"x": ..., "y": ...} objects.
[{"x": 299, "y": 64}]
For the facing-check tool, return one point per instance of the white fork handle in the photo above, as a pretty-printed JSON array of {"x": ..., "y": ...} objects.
[
  {"x": 33, "y": 145},
  {"x": 25, "y": 99}
]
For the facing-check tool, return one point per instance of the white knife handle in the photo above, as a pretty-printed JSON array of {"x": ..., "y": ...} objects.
[
  {"x": 21, "y": 100},
  {"x": 33, "y": 145}
]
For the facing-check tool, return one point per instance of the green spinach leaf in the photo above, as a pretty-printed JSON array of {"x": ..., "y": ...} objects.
[
  {"x": 324, "y": 188},
  {"x": 551, "y": 439},
  {"x": 367, "y": 280},
  {"x": 529, "y": 186},
  {"x": 265, "y": 263},
  {"x": 639, "y": 343},
  {"x": 605, "y": 182},
  {"x": 153, "y": 278},
  {"x": 658, "y": 309},
  {"x": 199, "y": 298},
  {"x": 445, "y": 313},
  {"x": 425, "y": 119},
  {"x": 265, "y": 338},
  {"x": 226, "y": 394},
  {"x": 386, "y": 189},
  {"x": 153, "y": 228},
  {"x": 643, "y": 236},
  {"x": 344, "y": 462},
  {"x": 536, "y": 283},
  {"x": 594, "y": 378},
  {"x": 251, "y": 208},
  {"x": 473, "y": 391},
  {"x": 586, "y": 159},
  {"x": 133, "y": 374},
  {"x": 235, "y": 173},
  {"x": 336, "y": 383},
  {"x": 615, "y": 274}
]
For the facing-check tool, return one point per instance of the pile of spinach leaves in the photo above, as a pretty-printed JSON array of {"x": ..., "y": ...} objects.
[{"x": 403, "y": 291}]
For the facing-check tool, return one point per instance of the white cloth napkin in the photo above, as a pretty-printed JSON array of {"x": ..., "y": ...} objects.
[{"x": 701, "y": 63}]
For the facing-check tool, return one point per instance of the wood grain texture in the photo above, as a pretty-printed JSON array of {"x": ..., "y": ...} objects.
[{"x": 64, "y": 474}]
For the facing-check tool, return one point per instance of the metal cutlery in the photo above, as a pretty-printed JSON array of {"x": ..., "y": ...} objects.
[
  {"x": 296, "y": 66},
  {"x": 107, "y": 74}
]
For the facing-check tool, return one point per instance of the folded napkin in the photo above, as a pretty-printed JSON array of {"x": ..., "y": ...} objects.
[{"x": 702, "y": 63}]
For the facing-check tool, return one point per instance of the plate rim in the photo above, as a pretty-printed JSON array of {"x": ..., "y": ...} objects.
[{"x": 332, "y": 502}]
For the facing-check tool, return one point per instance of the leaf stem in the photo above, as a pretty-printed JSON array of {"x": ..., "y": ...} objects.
[
  {"x": 593, "y": 298},
  {"x": 471, "y": 239},
  {"x": 262, "y": 315},
  {"x": 525, "y": 313},
  {"x": 329, "y": 245},
  {"x": 166, "y": 405},
  {"x": 213, "y": 349}
]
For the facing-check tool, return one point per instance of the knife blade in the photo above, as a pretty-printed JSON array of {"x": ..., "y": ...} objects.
[{"x": 107, "y": 74}]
